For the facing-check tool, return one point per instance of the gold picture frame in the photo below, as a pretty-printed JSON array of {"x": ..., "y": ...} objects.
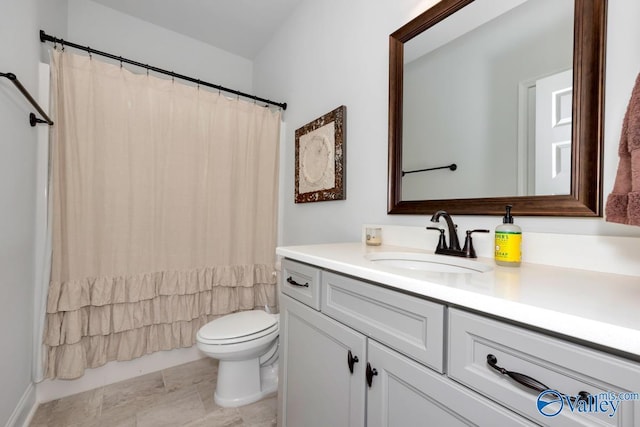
[{"x": 320, "y": 158}]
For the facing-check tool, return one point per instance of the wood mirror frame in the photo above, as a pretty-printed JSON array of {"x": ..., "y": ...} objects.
[{"x": 585, "y": 199}]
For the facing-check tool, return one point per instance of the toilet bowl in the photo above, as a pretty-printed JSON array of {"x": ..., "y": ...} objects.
[{"x": 246, "y": 345}]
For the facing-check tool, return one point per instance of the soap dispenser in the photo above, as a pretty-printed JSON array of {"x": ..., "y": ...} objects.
[{"x": 508, "y": 241}]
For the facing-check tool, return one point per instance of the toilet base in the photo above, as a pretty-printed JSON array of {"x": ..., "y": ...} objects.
[{"x": 244, "y": 382}]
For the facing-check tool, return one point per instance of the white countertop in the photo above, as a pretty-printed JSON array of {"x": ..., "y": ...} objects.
[{"x": 599, "y": 308}]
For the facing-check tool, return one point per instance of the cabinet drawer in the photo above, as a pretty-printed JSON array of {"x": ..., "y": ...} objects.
[
  {"x": 301, "y": 282},
  {"x": 563, "y": 367},
  {"x": 408, "y": 324}
]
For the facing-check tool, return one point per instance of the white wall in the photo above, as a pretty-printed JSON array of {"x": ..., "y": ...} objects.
[
  {"x": 53, "y": 20},
  {"x": 92, "y": 24},
  {"x": 336, "y": 52},
  {"x": 20, "y": 50}
]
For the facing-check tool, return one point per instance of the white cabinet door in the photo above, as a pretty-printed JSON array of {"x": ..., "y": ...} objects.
[
  {"x": 317, "y": 388},
  {"x": 405, "y": 393}
]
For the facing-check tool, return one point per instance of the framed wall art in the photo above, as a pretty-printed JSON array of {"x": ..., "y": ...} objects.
[{"x": 320, "y": 158}]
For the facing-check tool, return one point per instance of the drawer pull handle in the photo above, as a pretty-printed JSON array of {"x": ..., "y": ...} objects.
[
  {"x": 370, "y": 374},
  {"x": 351, "y": 360},
  {"x": 294, "y": 283},
  {"x": 528, "y": 381}
]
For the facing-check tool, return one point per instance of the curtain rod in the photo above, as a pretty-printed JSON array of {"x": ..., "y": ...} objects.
[
  {"x": 45, "y": 37},
  {"x": 33, "y": 120}
]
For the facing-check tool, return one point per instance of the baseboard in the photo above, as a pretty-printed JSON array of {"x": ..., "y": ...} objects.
[
  {"x": 112, "y": 372},
  {"x": 25, "y": 410}
]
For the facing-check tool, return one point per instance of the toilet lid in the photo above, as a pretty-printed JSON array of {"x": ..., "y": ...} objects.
[{"x": 237, "y": 325}]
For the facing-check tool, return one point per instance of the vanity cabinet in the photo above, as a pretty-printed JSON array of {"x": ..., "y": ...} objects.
[
  {"x": 430, "y": 352},
  {"x": 369, "y": 357}
]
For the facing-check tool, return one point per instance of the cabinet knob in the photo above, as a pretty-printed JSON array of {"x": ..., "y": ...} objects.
[
  {"x": 371, "y": 372},
  {"x": 351, "y": 360}
]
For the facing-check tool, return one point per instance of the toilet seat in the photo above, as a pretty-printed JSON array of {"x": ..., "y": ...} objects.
[{"x": 238, "y": 327}]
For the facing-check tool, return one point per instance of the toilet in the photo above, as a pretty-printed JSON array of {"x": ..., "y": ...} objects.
[{"x": 246, "y": 345}]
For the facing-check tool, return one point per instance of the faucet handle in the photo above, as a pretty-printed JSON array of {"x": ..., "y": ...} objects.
[
  {"x": 442, "y": 242},
  {"x": 468, "y": 249}
]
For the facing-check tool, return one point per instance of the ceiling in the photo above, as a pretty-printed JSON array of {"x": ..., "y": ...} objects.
[{"x": 241, "y": 27}]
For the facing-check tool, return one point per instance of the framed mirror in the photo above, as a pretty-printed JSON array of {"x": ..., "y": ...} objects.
[{"x": 498, "y": 102}]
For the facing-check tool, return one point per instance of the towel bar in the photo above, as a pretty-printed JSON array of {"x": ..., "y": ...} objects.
[{"x": 33, "y": 120}]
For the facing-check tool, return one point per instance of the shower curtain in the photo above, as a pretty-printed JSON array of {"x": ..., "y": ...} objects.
[{"x": 164, "y": 213}]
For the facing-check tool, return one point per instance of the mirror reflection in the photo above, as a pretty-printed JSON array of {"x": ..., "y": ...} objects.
[{"x": 489, "y": 89}]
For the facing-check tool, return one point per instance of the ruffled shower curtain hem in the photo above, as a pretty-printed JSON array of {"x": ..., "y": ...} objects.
[{"x": 94, "y": 321}]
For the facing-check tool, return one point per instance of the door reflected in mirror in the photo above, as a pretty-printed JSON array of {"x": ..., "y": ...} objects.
[{"x": 488, "y": 100}]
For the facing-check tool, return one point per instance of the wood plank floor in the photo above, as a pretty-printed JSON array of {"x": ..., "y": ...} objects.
[{"x": 178, "y": 396}]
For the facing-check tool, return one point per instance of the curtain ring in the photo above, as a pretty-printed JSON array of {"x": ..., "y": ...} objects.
[
  {"x": 121, "y": 62},
  {"x": 147, "y": 67},
  {"x": 89, "y": 52}
]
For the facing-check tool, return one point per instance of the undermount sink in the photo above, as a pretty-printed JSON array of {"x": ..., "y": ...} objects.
[{"x": 427, "y": 262}]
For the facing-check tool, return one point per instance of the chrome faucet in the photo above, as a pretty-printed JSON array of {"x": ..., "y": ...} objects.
[{"x": 454, "y": 244}]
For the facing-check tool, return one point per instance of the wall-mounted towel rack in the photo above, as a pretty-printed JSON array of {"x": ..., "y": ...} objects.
[
  {"x": 33, "y": 120},
  {"x": 452, "y": 167}
]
